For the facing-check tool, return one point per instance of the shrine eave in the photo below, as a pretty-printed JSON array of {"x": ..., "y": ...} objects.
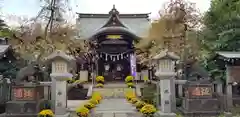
[
  {"x": 228, "y": 55},
  {"x": 91, "y": 15},
  {"x": 3, "y": 50},
  {"x": 114, "y": 30}
]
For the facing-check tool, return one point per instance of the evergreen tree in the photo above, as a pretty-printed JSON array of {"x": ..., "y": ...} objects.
[
  {"x": 9, "y": 63},
  {"x": 221, "y": 33}
]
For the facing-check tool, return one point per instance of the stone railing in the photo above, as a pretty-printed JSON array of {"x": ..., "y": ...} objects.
[{"x": 179, "y": 83}]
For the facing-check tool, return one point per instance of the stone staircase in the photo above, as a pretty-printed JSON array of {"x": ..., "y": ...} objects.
[
  {"x": 114, "y": 103},
  {"x": 114, "y": 90}
]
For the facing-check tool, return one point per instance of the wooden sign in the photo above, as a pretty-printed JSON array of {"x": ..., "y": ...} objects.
[
  {"x": 22, "y": 93},
  {"x": 114, "y": 37}
]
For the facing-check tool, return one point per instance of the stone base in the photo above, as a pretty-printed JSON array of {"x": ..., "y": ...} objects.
[
  {"x": 161, "y": 114},
  {"x": 66, "y": 115},
  {"x": 228, "y": 114}
]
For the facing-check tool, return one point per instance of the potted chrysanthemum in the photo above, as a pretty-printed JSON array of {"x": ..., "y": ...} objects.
[
  {"x": 148, "y": 110},
  {"x": 100, "y": 81},
  {"x": 99, "y": 85},
  {"x": 46, "y": 113},
  {"x": 94, "y": 101},
  {"x": 96, "y": 96},
  {"x": 134, "y": 100},
  {"x": 139, "y": 104},
  {"x": 130, "y": 95},
  {"x": 89, "y": 105},
  {"x": 82, "y": 111},
  {"x": 129, "y": 81}
]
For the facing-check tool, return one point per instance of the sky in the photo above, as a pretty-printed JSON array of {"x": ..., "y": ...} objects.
[{"x": 30, "y": 8}]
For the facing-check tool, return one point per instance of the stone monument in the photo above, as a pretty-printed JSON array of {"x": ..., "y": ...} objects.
[
  {"x": 165, "y": 62},
  {"x": 25, "y": 100},
  {"x": 61, "y": 65},
  {"x": 200, "y": 92}
]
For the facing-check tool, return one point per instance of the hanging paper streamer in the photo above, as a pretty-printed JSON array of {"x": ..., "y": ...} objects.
[{"x": 113, "y": 58}]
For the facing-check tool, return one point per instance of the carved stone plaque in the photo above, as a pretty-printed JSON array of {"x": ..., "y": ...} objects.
[{"x": 166, "y": 102}]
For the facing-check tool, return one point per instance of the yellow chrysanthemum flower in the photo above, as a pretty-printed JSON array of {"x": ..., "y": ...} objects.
[
  {"x": 82, "y": 111},
  {"x": 128, "y": 79},
  {"x": 100, "y": 79},
  {"x": 148, "y": 109},
  {"x": 46, "y": 112},
  {"x": 99, "y": 85}
]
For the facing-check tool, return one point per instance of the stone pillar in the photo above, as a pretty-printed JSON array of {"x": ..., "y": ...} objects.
[
  {"x": 173, "y": 94},
  {"x": 53, "y": 92},
  {"x": 219, "y": 88},
  {"x": 168, "y": 99},
  {"x": 138, "y": 75},
  {"x": 180, "y": 90},
  {"x": 145, "y": 74},
  {"x": 229, "y": 87},
  {"x": 83, "y": 75},
  {"x": 229, "y": 95},
  {"x": 60, "y": 87}
]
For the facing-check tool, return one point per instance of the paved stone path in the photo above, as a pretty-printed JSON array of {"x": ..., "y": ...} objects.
[{"x": 115, "y": 108}]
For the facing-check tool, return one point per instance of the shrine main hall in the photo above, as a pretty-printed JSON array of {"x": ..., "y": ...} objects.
[{"x": 115, "y": 35}]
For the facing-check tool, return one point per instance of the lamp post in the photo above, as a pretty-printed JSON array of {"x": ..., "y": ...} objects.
[{"x": 165, "y": 62}]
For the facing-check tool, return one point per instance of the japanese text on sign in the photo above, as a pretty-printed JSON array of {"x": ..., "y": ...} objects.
[
  {"x": 23, "y": 93},
  {"x": 201, "y": 91}
]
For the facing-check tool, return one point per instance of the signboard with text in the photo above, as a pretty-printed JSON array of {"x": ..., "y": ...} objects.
[
  {"x": 199, "y": 92},
  {"x": 22, "y": 93}
]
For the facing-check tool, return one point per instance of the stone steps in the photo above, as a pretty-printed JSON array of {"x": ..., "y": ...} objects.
[
  {"x": 112, "y": 92},
  {"x": 115, "y": 108},
  {"x": 72, "y": 105},
  {"x": 115, "y": 105},
  {"x": 107, "y": 108}
]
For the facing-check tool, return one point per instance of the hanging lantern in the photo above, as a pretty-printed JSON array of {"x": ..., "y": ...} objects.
[{"x": 121, "y": 56}]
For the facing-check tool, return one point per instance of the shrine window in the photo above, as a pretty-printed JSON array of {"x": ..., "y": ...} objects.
[{"x": 60, "y": 67}]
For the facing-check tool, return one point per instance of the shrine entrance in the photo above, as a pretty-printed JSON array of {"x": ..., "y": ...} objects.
[
  {"x": 114, "y": 47},
  {"x": 114, "y": 70}
]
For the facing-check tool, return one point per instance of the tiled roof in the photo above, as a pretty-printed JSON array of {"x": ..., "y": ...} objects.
[
  {"x": 229, "y": 54},
  {"x": 3, "y": 49},
  {"x": 60, "y": 54},
  {"x": 87, "y": 26},
  {"x": 166, "y": 53}
]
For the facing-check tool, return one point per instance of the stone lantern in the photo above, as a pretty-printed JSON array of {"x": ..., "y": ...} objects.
[
  {"x": 61, "y": 66},
  {"x": 165, "y": 72}
]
